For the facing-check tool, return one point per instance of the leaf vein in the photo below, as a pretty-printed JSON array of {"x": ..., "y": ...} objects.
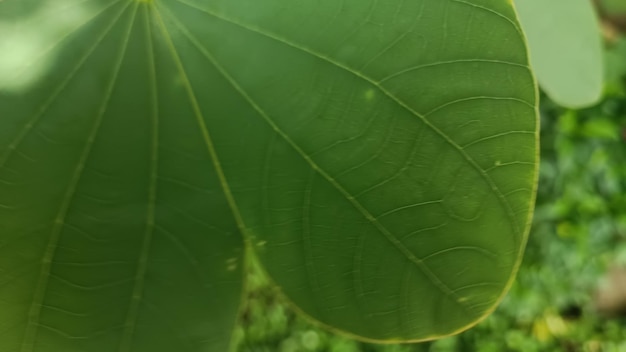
[
  {"x": 132, "y": 315},
  {"x": 34, "y": 315}
]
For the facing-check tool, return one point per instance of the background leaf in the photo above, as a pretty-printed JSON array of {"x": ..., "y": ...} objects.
[{"x": 566, "y": 49}]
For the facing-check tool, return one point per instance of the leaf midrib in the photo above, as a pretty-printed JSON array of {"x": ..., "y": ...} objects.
[{"x": 132, "y": 316}]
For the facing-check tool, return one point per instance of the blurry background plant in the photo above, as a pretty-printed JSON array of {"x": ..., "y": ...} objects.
[{"x": 568, "y": 295}]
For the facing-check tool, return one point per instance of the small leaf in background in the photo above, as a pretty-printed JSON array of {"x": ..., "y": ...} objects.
[{"x": 565, "y": 49}]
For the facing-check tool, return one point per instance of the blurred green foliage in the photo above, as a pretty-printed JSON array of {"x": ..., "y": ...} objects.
[
  {"x": 614, "y": 6},
  {"x": 579, "y": 231}
]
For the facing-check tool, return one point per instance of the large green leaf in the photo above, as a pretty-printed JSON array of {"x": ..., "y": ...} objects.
[
  {"x": 566, "y": 49},
  {"x": 379, "y": 157}
]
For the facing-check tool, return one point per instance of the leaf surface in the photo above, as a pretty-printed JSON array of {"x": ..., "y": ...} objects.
[
  {"x": 391, "y": 193},
  {"x": 380, "y": 159},
  {"x": 115, "y": 231}
]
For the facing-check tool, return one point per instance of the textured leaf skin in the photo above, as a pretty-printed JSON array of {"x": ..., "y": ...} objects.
[
  {"x": 398, "y": 160},
  {"x": 115, "y": 231},
  {"x": 380, "y": 158},
  {"x": 566, "y": 49}
]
